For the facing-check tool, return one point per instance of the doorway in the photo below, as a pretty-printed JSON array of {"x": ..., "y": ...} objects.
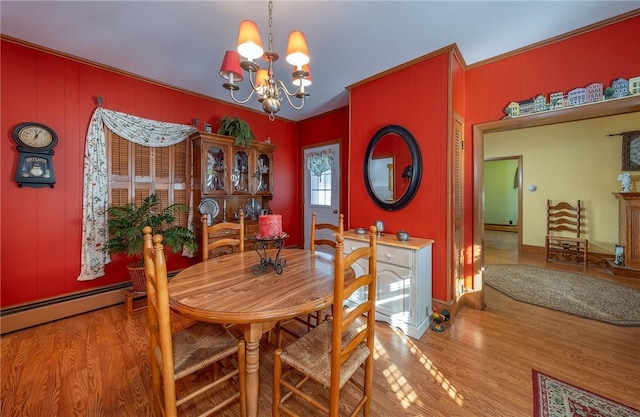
[
  {"x": 321, "y": 188},
  {"x": 502, "y": 189}
]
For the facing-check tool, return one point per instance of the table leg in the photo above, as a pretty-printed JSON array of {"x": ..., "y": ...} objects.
[{"x": 252, "y": 335}]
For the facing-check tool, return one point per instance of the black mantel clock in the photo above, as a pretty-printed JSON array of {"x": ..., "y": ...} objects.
[{"x": 35, "y": 155}]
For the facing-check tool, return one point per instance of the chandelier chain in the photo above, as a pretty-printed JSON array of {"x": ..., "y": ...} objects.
[{"x": 270, "y": 26}]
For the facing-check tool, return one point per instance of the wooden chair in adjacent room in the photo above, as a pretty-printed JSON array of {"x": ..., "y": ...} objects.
[
  {"x": 313, "y": 319},
  {"x": 214, "y": 237},
  {"x": 332, "y": 353},
  {"x": 564, "y": 240},
  {"x": 175, "y": 356}
]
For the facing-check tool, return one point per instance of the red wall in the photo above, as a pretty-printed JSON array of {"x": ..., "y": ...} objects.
[
  {"x": 378, "y": 103},
  {"x": 40, "y": 229}
]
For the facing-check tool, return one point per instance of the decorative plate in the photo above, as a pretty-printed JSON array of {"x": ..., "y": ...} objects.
[
  {"x": 360, "y": 231},
  {"x": 209, "y": 206},
  {"x": 253, "y": 207}
]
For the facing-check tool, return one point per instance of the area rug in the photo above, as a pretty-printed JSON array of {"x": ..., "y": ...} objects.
[
  {"x": 578, "y": 294},
  {"x": 554, "y": 398}
]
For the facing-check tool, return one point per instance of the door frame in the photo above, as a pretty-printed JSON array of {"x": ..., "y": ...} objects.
[
  {"x": 518, "y": 227},
  {"x": 335, "y": 190},
  {"x": 607, "y": 108}
]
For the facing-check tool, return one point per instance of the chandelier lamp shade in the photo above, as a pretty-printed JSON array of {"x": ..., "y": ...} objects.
[{"x": 269, "y": 91}]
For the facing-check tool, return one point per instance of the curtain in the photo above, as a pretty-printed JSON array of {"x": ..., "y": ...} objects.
[
  {"x": 319, "y": 162},
  {"x": 95, "y": 190}
]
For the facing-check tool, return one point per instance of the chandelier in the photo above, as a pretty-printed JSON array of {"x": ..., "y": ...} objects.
[{"x": 268, "y": 90}]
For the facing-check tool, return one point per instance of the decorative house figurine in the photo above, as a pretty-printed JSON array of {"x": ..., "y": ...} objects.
[
  {"x": 634, "y": 85},
  {"x": 593, "y": 92},
  {"x": 620, "y": 88}
]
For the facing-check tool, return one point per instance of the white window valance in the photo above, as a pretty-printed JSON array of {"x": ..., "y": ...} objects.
[
  {"x": 95, "y": 194},
  {"x": 319, "y": 162}
]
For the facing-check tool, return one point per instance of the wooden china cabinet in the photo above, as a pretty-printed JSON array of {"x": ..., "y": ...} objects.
[{"x": 228, "y": 178}]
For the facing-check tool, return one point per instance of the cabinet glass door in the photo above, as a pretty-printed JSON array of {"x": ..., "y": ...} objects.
[
  {"x": 240, "y": 175},
  {"x": 263, "y": 173},
  {"x": 215, "y": 179}
]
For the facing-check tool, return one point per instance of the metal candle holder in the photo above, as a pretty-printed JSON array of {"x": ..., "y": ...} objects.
[{"x": 266, "y": 261}]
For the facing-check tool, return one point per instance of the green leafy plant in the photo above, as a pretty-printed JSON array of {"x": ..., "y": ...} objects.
[
  {"x": 125, "y": 225},
  {"x": 237, "y": 128}
]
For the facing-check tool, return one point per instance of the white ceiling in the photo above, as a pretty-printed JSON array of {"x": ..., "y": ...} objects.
[{"x": 181, "y": 43}]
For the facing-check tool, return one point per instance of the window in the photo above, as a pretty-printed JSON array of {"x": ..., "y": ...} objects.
[
  {"x": 136, "y": 171},
  {"x": 321, "y": 189}
]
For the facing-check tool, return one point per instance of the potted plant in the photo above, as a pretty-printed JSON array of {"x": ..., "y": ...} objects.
[
  {"x": 125, "y": 226},
  {"x": 237, "y": 128}
]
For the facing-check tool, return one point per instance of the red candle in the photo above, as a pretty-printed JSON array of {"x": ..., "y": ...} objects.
[{"x": 270, "y": 225}]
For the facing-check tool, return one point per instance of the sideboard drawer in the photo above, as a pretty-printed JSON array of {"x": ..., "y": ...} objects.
[
  {"x": 388, "y": 254},
  {"x": 394, "y": 255}
]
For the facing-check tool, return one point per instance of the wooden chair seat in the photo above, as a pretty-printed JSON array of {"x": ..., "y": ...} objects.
[
  {"x": 199, "y": 346},
  {"x": 311, "y": 354}
]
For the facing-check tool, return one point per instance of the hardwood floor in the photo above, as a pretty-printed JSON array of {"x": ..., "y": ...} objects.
[{"x": 96, "y": 364}]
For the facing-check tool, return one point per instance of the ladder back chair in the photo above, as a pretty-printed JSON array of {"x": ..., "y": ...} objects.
[
  {"x": 174, "y": 356},
  {"x": 315, "y": 318},
  {"x": 332, "y": 353},
  {"x": 216, "y": 236},
  {"x": 313, "y": 241},
  {"x": 564, "y": 240}
]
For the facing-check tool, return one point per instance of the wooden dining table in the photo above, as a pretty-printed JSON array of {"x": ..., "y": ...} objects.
[{"x": 226, "y": 290}]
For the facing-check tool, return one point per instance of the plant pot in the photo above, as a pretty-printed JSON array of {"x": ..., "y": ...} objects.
[{"x": 137, "y": 276}]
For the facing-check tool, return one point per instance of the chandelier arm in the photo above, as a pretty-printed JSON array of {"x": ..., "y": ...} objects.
[
  {"x": 281, "y": 87},
  {"x": 242, "y": 101}
]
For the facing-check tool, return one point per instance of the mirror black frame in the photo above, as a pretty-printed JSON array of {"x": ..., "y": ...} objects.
[{"x": 416, "y": 163}]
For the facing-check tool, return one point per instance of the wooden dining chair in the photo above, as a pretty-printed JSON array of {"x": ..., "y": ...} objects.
[
  {"x": 174, "y": 356},
  {"x": 311, "y": 320},
  {"x": 217, "y": 236},
  {"x": 320, "y": 241},
  {"x": 564, "y": 239},
  {"x": 331, "y": 354}
]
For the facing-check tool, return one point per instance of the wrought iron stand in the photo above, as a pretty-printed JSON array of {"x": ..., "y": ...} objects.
[{"x": 265, "y": 261}]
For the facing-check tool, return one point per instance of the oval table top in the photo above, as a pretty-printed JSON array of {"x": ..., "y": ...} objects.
[{"x": 225, "y": 290}]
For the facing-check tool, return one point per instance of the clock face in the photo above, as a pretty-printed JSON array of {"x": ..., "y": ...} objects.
[{"x": 35, "y": 136}]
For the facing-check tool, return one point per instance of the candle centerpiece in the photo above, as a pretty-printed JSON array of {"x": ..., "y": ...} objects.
[
  {"x": 269, "y": 230},
  {"x": 270, "y": 226}
]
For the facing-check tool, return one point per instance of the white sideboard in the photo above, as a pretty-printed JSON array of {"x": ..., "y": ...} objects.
[{"x": 403, "y": 296}]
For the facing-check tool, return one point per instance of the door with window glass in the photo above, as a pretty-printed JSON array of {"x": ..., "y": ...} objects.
[{"x": 321, "y": 189}]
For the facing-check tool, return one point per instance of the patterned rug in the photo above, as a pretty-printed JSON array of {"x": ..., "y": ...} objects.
[
  {"x": 579, "y": 294},
  {"x": 554, "y": 398}
]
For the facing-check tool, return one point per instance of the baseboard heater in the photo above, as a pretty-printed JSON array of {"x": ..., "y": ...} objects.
[{"x": 44, "y": 311}]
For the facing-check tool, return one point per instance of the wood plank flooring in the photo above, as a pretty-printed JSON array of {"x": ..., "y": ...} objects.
[{"x": 96, "y": 364}]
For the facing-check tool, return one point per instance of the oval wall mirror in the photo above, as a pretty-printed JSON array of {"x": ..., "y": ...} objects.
[{"x": 392, "y": 167}]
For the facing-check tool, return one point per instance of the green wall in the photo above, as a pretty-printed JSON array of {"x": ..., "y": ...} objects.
[{"x": 501, "y": 192}]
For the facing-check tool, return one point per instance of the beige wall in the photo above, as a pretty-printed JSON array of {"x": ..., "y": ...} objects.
[{"x": 570, "y": 161}]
